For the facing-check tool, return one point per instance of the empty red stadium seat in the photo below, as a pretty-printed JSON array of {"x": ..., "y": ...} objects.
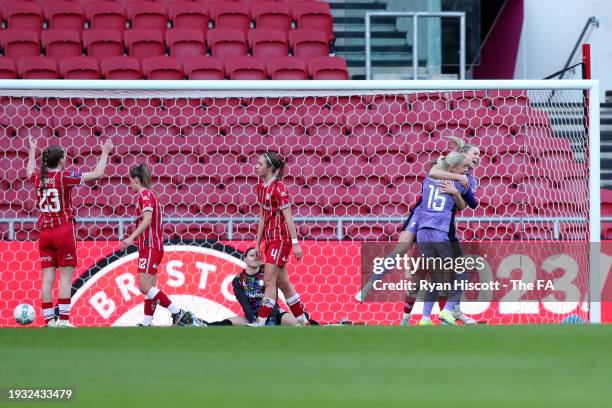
[
  {"x": 23, "y": 15},
  {"x": 606, "y": 201},
  {"x": 105, "y": 15},
  {"x": 314, "y": 15},
  {"x": 79, "y": 68},
  {"x": 101, "y": 43},
  {"x": 189, "y": 14},
  {"x": 308, "y": 43},
  {"x": 120, "y": 68},
  {"x": 210, "y": 68},
  {"x": 142, "y": 43},
  {"x": 268, "y": 43},
  {"x": 329, "y": 68},
  {"x": 245, "y": 68},
  {"x": 272, "y": 15},
  {"x": 148, "y": 15},
  {"x": 65, "y": 15},
  {"x": 508, "y": 97},
  {"x": 162, "y": 68},
  {"x": 318, "y": 231},
  {"x": 37, "y": 68},
  {"x": 231, "y": 15},
  {"x": 185, "y": 42},
  {"x": 225, "y": 43},
  {"x": 606, "y": 230},
  {"x": 61, "y": 43},
  {"x": 7, "y": 68},
  {"x": 287, "y": 68},
  {"x": 18, "y": 43}
]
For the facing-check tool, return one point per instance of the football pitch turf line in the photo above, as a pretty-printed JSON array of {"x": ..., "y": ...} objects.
[{"x": 488, "y": 366}]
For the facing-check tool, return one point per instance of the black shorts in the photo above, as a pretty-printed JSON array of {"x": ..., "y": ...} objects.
[{"x": 276, "y": 317}]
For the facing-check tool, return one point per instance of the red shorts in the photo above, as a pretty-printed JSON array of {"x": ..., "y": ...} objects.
[
  {"x": 57, "y": 246},
  {"x": 149, "y": 260},
  {"x": 277, "y": 253}
]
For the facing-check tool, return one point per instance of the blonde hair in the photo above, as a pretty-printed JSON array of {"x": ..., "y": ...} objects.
[
  {"x": 460, "y": 144},
  {"x": 453, "y": 159}
]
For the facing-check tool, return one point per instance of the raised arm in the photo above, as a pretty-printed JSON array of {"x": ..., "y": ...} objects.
[
  {"x": 31, "y": 167},
  {"x": 147, "y": 216},
  {"x": 437, "y": 173},
  {"x": 297, "y": 251},
  {"x": 98, "y": 171}
]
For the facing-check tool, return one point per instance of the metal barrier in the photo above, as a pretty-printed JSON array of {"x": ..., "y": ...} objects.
[
  {"x": 415, "y": 44},
  {"x": 339, "y": 221}
]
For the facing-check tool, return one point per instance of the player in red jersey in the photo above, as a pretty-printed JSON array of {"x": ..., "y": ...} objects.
[
  {"x": 278, "y": 232},
  {"x": 150, "y": 246},
  {"x": 57, "y": 240}
]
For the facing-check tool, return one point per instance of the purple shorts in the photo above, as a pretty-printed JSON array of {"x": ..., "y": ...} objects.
[{"x": 433, "y": 243}]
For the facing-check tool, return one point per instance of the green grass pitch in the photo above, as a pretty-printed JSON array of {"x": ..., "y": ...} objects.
[{"x": 511, "y": 366}]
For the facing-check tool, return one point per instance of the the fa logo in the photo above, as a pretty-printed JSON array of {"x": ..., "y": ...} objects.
[
  {"x": 69, "y": 257},
  {"x": 154, "y": 266}
]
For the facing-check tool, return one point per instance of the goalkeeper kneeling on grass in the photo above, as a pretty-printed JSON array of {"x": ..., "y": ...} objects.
[{"x": 248, "y": 288}]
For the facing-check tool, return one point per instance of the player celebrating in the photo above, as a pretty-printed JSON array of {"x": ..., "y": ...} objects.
[
  {"x": 277, "y": 230},
  {"x": 410, "y": 226},
  {"x": 57, "y": 240},
  {"x": 249, "y": 291},
  {"x": 409, "y": 230},
  {"x": 435, "y": 217},
  {"x": 150, "y": 245}
]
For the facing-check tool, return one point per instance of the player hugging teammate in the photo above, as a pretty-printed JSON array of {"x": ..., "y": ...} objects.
[{"x": 440, "y": 172}]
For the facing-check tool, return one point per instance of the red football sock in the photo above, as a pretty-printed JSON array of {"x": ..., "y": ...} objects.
[
  {"x": 162, "y": 299},
  {"x": 48, "y": 311},
  {"x": 266, "y": 308},
  {"x": 409, "y": 305},
  {"x": 64, "y": 308},
  {"x": 149, "y": 307},
  {"x": 442, "y": 302},
  {"x": 295, "y": 305}
]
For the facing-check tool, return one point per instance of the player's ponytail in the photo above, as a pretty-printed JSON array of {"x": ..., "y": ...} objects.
[
  {"x": 460, "y": 144},
  {"x": 142, "y": 173},
  {"x": 276, "y": 162},
  {"x": 51, "y": 157}
]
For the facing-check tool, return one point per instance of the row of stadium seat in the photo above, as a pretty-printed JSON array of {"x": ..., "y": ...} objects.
[
  {"x": 169, "y": 68},
  {"x": 180, "y": 42},
  {"x": 155, "y": 15}
]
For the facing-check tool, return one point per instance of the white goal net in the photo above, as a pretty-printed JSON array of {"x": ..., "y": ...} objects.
[{"x": 355, "y": 161}]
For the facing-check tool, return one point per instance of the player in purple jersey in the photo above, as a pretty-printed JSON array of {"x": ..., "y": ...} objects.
[
  {"x": 440, "y": 198},
  {"x": 408, "y": 232}
]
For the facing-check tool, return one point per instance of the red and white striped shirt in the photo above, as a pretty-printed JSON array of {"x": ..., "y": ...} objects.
[
  {"x": 55, "y": 199},
  {"x": 152, "y": 236},
  {"x": 272, "y": 197}
]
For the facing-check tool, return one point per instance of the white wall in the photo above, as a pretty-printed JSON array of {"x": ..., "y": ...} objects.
[{"x": 550, "y": 30}]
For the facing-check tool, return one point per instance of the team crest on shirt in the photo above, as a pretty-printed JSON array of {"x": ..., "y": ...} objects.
[{"x": 268, "y": 196}]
